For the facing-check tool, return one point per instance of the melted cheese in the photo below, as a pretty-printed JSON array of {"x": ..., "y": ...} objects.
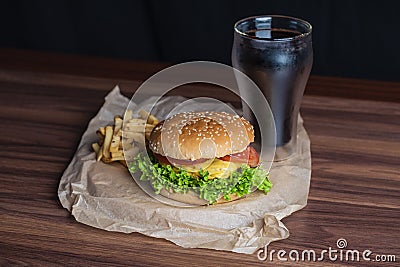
[{"x": 220, "y": 169}]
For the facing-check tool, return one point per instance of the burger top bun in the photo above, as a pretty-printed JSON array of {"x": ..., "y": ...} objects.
[{"x": 201, "y": 135}]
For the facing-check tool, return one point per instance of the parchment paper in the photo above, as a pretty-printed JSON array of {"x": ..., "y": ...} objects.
[{"x": 105, "y": 196}]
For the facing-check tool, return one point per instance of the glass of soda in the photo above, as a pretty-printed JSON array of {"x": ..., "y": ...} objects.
[{"x": 276, "y": 53}]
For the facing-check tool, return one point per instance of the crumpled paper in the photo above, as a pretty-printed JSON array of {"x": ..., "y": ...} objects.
[{"x": 105, "y": 196}]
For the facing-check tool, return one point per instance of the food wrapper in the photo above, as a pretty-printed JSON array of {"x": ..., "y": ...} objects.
[{"x": 105, "y": 196}]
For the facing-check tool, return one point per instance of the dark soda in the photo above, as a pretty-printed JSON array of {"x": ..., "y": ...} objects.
[{"x": 279, "y": 62}]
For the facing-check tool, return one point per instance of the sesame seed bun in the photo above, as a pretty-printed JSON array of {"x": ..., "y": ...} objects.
[{"x": 201, "y": 135}]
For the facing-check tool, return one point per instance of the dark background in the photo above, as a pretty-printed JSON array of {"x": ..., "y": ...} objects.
[{"x": 351, "y": 38}]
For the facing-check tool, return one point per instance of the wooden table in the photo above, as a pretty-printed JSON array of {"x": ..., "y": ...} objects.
[{"x": 46, "y": 101}]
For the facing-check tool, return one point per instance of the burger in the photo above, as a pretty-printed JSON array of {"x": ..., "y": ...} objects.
[{"x": 202, "y": 158}]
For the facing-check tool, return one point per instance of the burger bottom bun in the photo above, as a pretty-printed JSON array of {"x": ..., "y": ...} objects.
[{"x": 193, "y": 198}]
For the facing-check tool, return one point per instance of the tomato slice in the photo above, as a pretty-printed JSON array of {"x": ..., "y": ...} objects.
[{"x": 249, "y": 156}]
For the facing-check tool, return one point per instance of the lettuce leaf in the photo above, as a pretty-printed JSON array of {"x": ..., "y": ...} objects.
[{"x": 240, "y": 182}]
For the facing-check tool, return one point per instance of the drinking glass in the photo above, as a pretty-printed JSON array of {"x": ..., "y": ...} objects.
[{"x": 276, "y": 53}]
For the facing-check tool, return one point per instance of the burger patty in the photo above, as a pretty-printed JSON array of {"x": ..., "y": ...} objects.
[{"x": 248, "y": 156}]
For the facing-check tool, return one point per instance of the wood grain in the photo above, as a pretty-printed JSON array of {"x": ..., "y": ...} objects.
[{"x": 354, "y": 191}]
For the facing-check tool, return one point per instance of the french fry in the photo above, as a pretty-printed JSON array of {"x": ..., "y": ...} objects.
[
  {"x": 117, "y": 158},
  {"x": 120, "y": 147},
  {"x": 139, "y": 128},
  {"x": 96, "y": 148},
  {"x": 128, "y": 115},
  {"x": 143, "y": 114},
  {"x": 102, "y": 131},
  {"x": 137, "y": 137},
  {"x": 137, "y": 121},
  {"x": 117, "y": 124},
  {"x": 149, "y": 127},
  {"x": 107, "y": 142},
  {"x": 127, "y": 134},
  {"x": 150, "y": 119},
  {"x": 99, "y": 155},
  {"x": 117, "y": 154},
  {"x": 100, "y": 135},
  {"x": 135, "y": 128},
  {"x": 115, "y": 143}
]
